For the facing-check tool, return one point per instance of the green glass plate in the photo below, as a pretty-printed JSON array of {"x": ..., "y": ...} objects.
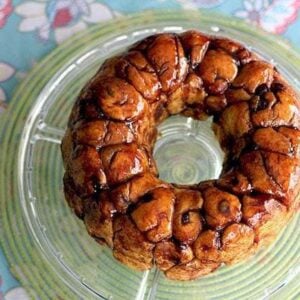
[{"x": 48, "y": 249}]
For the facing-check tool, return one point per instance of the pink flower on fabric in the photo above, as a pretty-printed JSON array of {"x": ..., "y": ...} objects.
[
  {"x": 62, "y": 17},
  {"x": 5, "y": 10},
  {"x": 272, "y": 15}
]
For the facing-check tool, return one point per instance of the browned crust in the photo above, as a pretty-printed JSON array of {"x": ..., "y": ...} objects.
[{"x": 111, "y": 180}]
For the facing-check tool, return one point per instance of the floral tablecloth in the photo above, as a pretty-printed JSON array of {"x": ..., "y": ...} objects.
[{"x": 32, "y": 28}]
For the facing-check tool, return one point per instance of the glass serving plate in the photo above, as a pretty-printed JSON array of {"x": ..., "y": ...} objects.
[{"x": 48, "y": 247}]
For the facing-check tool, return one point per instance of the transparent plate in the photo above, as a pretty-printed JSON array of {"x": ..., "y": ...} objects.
[{"x": 48, "y": 248}]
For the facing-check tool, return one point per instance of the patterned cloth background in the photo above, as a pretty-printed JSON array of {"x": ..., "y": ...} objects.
[{"x": 32, "y": 28}]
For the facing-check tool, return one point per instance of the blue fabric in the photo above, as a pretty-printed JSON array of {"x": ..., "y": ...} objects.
[{"x": 31, "y": 29}]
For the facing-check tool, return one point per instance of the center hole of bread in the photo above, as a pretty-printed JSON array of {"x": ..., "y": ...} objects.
[{"x": 187, "y": 151}]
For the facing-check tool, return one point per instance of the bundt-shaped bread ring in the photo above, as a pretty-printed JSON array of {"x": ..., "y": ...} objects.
[{"x": 111, "y": 180}]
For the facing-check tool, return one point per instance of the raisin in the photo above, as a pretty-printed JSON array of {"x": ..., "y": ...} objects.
[
  {"x": 147, "y": 198},
  {"x": 261, "y": 89},
  {"x": 234, "y": 180},
  {"x": 262, "y": 104},
  {"x": 277, "y": 87},
  {"x": 185, "y": 218}
]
